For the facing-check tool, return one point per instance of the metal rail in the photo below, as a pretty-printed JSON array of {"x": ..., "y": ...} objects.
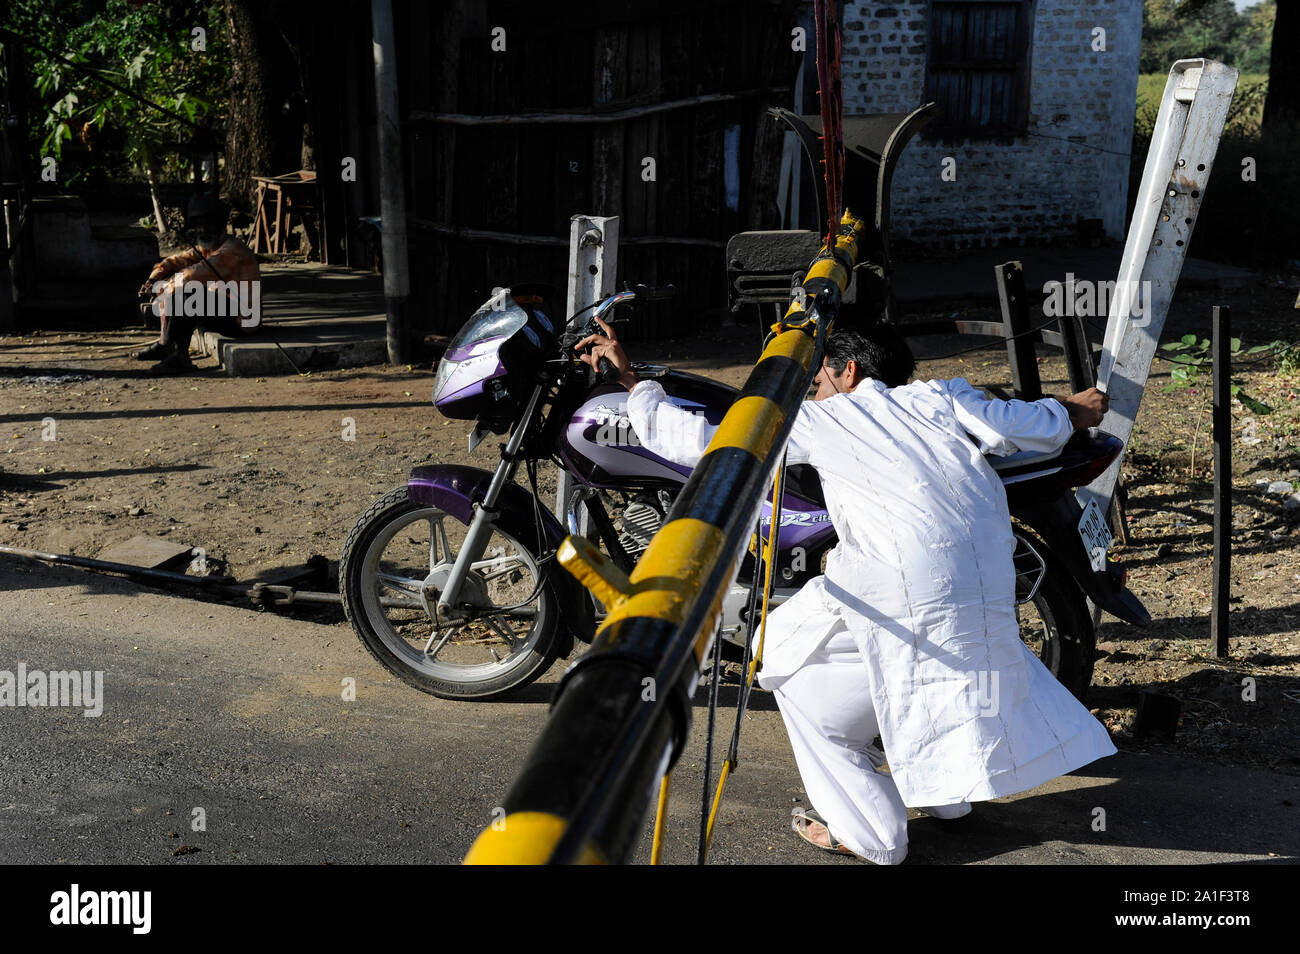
[{"x": 623, "y": 711}]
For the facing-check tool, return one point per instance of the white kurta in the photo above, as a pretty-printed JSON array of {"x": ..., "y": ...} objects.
[{"x": 922, "y": 582}]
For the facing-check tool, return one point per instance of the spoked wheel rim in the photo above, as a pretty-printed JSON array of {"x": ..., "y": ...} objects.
[
  {"x": 399, "y": 594},
  {"x": 1039, "y": 631}
]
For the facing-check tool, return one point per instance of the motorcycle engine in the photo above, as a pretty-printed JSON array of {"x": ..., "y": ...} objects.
[{"x": 641, "y": 520}]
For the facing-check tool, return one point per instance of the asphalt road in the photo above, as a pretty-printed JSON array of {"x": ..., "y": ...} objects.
[{"x": 241, "y": 714}]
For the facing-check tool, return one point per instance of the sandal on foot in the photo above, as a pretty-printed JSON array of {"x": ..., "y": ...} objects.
[
  {"x": 155, "y": 352},
  {"x": 809, "y": 816}
]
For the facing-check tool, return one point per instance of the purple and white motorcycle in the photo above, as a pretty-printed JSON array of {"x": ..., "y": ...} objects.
[{"x": 451, "y": 581}]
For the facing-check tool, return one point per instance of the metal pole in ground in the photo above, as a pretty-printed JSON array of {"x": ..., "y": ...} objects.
[
  {"x": 1222, "y": 357},
  {"x": 593, "y": 265},
  {"x": 1025, "y": 380},
  {"x": 1081, "y": 371},
  {"x": 1077, "y": 350}
]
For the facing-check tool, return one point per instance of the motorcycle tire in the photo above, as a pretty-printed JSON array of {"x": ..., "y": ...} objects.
[{"x": 379, "y": 547}]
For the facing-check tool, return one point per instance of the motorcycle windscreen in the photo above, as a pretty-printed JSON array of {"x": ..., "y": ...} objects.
[{"x": 474, "y": 358}]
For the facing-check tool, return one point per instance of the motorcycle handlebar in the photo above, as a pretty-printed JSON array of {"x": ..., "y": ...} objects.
[
  {"x": 608, "y": 372},
  {"x": 662, "y": 293},
  {"x": 636, "y": 293}
]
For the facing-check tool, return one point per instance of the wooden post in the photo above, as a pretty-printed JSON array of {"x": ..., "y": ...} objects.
[
  {"x": 19, "y": 177},
  {"x": 8, "y": 314},
  {"x": 1222, "y": 478},
  {"x": 1025, "y": 381},
  {"x": 392, "y": 197},
  {"x": 1077, "y": 349}
]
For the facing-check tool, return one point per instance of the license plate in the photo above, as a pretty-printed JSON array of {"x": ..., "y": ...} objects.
[{"x": 1095, "y": 534}]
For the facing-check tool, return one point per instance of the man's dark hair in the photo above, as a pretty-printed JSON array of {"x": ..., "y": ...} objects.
[{"x": 879, "y": 352}]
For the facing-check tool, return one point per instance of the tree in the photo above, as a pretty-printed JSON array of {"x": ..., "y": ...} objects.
[
  {"x": 267, "y": 126},
  {"x": 1282, "y": 107},
  {"x": 1178, "y": 29},
  {"x": 134, "y": 76},
  {"x": 1253, "y": 40}
]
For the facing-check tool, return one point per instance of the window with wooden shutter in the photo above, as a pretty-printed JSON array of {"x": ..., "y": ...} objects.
[{"x": 977, "y": 66}]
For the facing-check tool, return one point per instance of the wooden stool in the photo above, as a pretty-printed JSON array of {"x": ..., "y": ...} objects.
[{"x": 295, "y": 191}]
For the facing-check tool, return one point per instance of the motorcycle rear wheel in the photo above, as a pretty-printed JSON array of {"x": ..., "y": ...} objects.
[
  {"x": 1057, "y": 627},
  {"x": 390, "y": 574}
]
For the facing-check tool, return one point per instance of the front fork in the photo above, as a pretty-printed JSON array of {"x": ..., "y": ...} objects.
[{"x": 485, "y": 514}]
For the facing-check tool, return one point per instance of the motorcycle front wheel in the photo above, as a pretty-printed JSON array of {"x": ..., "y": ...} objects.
[{"x": 393, "y": 567}]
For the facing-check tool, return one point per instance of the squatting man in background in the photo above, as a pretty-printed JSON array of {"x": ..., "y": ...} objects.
[
  {"x": 218, "y": 271},
  {"x": 917, "y": 603}
]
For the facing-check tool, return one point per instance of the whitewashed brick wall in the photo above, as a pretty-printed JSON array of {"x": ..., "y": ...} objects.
[{"x": 1030, "y": 189}]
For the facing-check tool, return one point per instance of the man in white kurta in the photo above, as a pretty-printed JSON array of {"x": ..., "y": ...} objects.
[{"x": 911, "y": 633}]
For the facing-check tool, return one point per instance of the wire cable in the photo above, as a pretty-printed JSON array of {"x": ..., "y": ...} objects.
[
  {"x": 1085, "y": 145},
  {"x": 998, "y": 342}
]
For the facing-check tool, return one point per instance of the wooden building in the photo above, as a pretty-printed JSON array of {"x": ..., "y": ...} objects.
[{"x": 517, "y": 115}]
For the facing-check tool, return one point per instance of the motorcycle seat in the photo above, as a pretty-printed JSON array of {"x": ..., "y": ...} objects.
[
  {"x": 802, "y": 479},
  {"x": 1022, "y": 459}
]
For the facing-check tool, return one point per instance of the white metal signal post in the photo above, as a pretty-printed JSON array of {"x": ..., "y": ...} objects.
[{"x": 1183, "y": 146}]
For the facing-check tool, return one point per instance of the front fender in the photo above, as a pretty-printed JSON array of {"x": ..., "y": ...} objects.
[
  {"x": 455, "y": 488},
  {"x": 1056, "y": 520}
]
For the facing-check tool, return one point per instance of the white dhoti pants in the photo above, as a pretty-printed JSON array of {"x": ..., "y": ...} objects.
[
  {"x": 831, "y": 722},
  {"x": 814, "y": 667}
]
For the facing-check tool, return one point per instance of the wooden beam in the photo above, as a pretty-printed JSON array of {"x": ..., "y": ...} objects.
[
  {"x": 613, "y": 116},
  {"x": 490, "y": 235}
]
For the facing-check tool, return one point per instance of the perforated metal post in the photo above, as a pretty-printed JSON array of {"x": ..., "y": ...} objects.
[{"x": 1183, "y": 147}]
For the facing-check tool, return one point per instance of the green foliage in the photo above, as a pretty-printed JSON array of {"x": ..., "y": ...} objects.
[
  {"x": 1288, "y": 358},
  {"x": 1255, "y": 38},
  {"x": 1178, "y": 29},
  {"x": 146, "y": 49},
  {"x": 1190, "y": 356},
  {"x": 1244, "y": 113}
]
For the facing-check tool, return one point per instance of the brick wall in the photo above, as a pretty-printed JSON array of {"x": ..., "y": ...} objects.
[{"x": 1032, "y": 188}]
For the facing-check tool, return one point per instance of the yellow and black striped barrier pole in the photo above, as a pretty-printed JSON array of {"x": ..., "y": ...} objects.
[{"x": 623, "y": 710}]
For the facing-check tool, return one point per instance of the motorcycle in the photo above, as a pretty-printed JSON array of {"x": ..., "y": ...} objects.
[{"x": 451, "y": 581}]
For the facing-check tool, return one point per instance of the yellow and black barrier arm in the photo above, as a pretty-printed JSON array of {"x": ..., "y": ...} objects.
[{"x": 623, "y": 711}]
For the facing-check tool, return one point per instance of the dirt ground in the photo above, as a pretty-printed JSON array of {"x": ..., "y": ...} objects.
[{"x": 264, "y": 473}]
